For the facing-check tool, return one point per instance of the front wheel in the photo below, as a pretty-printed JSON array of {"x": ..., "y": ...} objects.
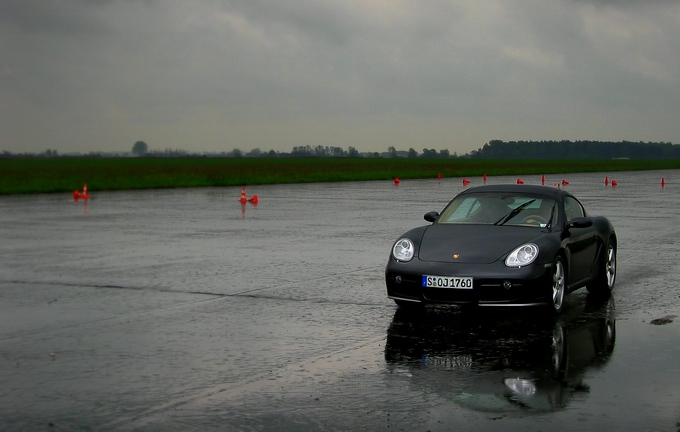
[
  {"x": 559, "y": 286},
  {"x": 606, "y": 276}
]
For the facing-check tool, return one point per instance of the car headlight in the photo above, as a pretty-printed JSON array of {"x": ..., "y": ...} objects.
[
  {"x": 403, "y": 250},
  {"x": 521, "y": 387},
  {"x": 522, "y": 256}
]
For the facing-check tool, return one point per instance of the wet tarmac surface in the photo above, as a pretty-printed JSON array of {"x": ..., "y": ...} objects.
[{"x": 185, "y": 310}]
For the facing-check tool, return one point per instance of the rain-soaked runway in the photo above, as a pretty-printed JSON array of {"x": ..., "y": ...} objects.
[{"x": 184, "y": 310}]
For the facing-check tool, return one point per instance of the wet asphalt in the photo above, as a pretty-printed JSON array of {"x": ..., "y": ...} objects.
[{"x": 182, "y": 310}]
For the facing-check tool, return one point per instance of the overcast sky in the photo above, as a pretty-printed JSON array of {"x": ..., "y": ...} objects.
[{"x": 214, "y": 75}]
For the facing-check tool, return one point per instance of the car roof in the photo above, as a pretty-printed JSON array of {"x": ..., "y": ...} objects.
[{"x": 550, "y": 191}]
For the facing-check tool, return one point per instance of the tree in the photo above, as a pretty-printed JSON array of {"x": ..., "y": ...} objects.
[
  {"x": 392, "y": 151},
  {"x": 337, "y": 151},
  {"x": 140, "y": 148},
  {"x": 50, "y": 153},
  {"x": 256, "y": 152},
  {"x": 427, "y": 153}
]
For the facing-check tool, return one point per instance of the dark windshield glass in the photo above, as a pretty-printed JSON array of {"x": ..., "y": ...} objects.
[{"x": 495, "y": 209}]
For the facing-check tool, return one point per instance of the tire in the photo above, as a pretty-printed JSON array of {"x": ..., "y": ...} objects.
[
  {"x": 558, "y": 287},
  {"x": 605, "y": 279}
]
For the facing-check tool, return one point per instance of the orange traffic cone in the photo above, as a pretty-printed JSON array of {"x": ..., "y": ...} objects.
[{"x": 84, "y": 195}]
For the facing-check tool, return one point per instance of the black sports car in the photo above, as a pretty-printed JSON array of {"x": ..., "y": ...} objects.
[{"x": 504, "y": 245}]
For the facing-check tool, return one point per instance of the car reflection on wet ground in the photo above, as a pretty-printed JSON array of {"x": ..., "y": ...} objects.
[
  {"x": 185, "y": 310},
  {"x": 500, "y": 361}
]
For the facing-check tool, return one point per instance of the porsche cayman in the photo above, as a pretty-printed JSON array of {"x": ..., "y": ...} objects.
[{"x": 504, "y": 245}]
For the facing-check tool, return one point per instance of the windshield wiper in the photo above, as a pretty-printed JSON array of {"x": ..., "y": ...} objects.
[{"x": 514, "y": 212}]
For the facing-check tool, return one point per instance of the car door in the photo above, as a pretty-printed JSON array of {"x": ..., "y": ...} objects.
[{"x": 581, "y": 243}]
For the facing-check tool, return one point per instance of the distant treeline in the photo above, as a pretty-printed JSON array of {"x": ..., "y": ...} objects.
[{"x": 497, "y": 149}]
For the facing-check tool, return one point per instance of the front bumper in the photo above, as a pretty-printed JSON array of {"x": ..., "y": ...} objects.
[{"x": 493, "y": 284}]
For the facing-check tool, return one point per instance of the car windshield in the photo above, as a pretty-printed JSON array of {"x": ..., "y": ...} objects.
[{"x": 501, "y": 209}]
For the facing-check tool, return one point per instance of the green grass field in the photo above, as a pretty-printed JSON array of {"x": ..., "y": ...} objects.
[{"x": 22, "y": 176}]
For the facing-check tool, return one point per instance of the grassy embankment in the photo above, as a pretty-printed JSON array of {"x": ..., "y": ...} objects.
[{"x": 18, "y": 176}]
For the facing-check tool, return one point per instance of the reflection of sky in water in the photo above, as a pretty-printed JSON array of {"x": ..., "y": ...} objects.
[{"x": 644, "y": 372}]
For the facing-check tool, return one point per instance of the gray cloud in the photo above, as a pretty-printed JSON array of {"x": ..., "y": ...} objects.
[
  {"x": 56, "y": 18},
  {"x": 216, "y": 75},
  {"x": 626, "y": 3}
]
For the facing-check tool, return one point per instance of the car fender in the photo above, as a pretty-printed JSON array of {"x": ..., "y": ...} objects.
[{"x": 549, "y": 246}]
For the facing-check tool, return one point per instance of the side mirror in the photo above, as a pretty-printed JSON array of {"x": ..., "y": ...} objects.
[
  {"x": 431, "y": 216},
  {"x": 580, "y": 222}
]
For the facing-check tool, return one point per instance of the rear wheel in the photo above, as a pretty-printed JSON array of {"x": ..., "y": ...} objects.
[
  {"x": 559, "y": 286},
  {"x": 606, "y": 276}
]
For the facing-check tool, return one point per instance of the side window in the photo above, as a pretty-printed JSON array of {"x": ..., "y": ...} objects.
[{"x": 572, "y": 208}]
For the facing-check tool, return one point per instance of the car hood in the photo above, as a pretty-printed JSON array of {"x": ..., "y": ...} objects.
[{"x": 473, "y": 244}]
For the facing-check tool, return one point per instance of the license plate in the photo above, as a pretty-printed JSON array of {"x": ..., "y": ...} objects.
[
  {"x": 463, "y": 361},
  {"x": 447, "y": 282}
]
